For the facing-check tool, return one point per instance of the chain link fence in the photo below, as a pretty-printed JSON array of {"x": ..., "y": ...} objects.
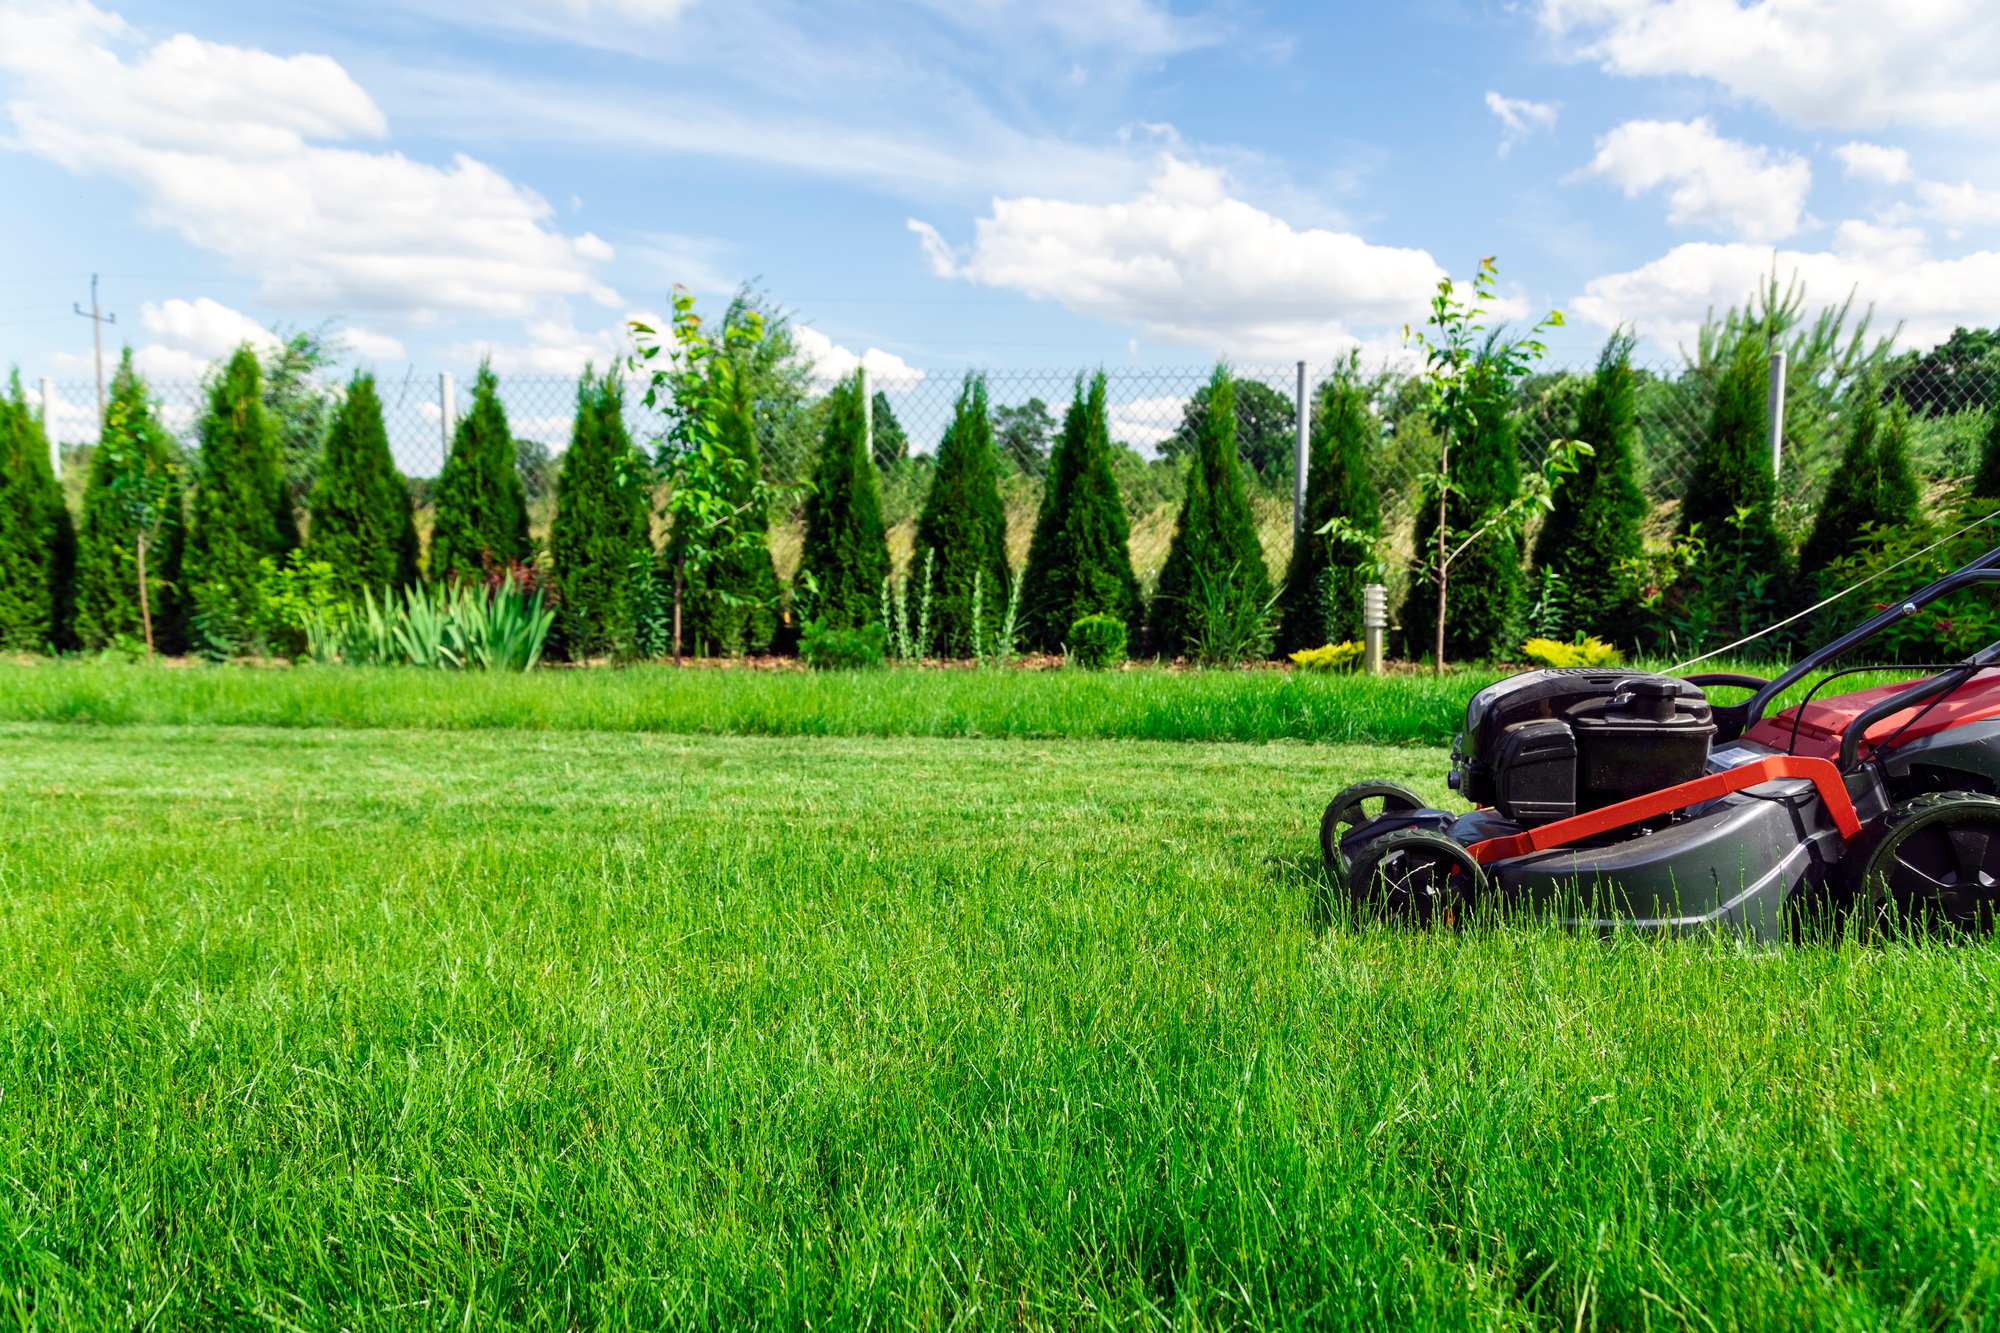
[{"x": 1147, "y": 408}]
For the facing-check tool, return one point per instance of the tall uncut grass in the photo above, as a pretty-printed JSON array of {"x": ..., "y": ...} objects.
[
  {"x": 1144, "y": 703},
  {"x": 318, "y": 1029}
]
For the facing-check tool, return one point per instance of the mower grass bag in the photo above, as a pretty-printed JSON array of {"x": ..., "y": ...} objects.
[{"x": 1614, "y": 799}]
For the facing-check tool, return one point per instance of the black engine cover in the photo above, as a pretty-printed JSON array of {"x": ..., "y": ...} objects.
[{"x": 1544, "y": 745}]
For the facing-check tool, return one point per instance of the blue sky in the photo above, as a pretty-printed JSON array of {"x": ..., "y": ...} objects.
[{"x": 979, "y": 182}]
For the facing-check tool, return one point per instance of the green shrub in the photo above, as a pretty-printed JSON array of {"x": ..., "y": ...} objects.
[
  {"x": 843, "y": 648},
  {"x": 731, "y": 605},
  {"x": 965, "y": 523},
  {"x": 134, "y": 480},
  {"x": 1322, "y": 597},
  {"x": 242, "y": 513},
  {"x": 603, "y": 518},
  {"x": 1215, "y": 551},
  {"x": 845, "y": 555},
  {"x": 362, "y": 524},
  {"x": 1095, "y": 642},
  {"x": 1593, "y": 530},
  {"x": 481, "y": 506},
  {"x": 1583, "y": 651},
  {"x": 1079, "y": 562},
  {"x": 37, "y": 540}
]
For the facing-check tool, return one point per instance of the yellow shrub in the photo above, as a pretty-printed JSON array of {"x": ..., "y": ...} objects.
[
  {"x": 1332, "y": 657},
  {"x": 1584, "y": 652}
]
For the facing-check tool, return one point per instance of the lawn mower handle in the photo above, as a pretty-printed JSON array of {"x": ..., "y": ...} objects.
[{"x": 1979, "y": 571}]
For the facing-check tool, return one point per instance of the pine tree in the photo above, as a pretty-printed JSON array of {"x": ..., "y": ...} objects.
[
  {"x": 1595, "y": 523},
  {"x": 732, "y": 604},
  {"x": 846, "y": 550},
  {"x": 965, "y": 525},
  {"x": 1079, "y": 563},
  {"x": 133, "y": 468},
  {"x": 892, "y": 446},
  {"x": 1487, "y": 592},
  {"x": 37, "y": 539},
  {"x": 241, "y": 511},
  {"x": 1215, "y": 536},
  {"x": 603, "y": 521},
  {"x": 362, "y": 522},
  {"x": 1872, "y": 484},
  {"x": 1322, "y": 597},
  {"x": 482, "y": 509}
]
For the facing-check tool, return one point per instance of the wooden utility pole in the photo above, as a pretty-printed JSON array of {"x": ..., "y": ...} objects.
[{"x": 97, "y": 322}]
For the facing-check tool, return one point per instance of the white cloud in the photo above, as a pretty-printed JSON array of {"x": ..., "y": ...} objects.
[
  {"x": 1961, "y": 205},
  {"x": 556, "y": 346},
  {"x": 369, "y": 345},
  {"x": 1889, "y": 268},
  {"x": 1869, "y": 161},
  {"x": 1519, "y": 118},
  {"x": 1190, "y": 264},
  {"x": 217, "y": 141},
  {"x": 204, "y": 327},
  {"x": 1721, "y": 183},
  {"x": 886, "y": 371},
  {"x": 1818, "y": 62},
  {"x": 1144, "y": 422},
  {"x": 1130, "y": 27}
]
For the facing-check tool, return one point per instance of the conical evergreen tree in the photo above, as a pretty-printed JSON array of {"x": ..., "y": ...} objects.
[
  {"x": 37, "y": 538},
  {"x": 1986, "y": 481},
  {"x": 1322, "y": 597},
  {"x": 1486, "y": 593},
  {"x": 241, "y": 511},
  {"x": 1215, "y": 536},
  {"x": 362, "y": 522},
  {"x": 133, "y": 467},
  {"x": 603, "y": 520},
  {"x": 1733, "y": 468},
  {"x": 965, "y": 524},
  {"x": 892, "y": 446},
  {"x": 482, "y": 509},
  {"x": 1872, "y": 484},
  {"x": 731, "y": 606},
  {"x": 1079, "y": 561},
  {"x": 846, "y": 548},
  {"x": 1595, "y": 524}
]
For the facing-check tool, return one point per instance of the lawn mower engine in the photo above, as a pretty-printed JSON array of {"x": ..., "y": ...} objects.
[{"x": 1545, "y": 745}]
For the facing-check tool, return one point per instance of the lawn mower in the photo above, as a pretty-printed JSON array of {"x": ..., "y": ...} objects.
[{"x": 1609, "y": 799}]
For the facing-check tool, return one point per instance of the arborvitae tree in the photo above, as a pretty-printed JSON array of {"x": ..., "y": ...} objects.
[
  {"x": 965, "y": 525},
  {"x": 1215, "y": 536},
  {"x": 892, "y": 446},
  {"x": 37, "y": 540},
  {"x": 1322, "y": 597},
  {"x": 362, "y": 523},
  {"x": 846, "y": 548},
  {"x": 242, "y": 512},
  {"x": 1079, "y": 563},
  {"x": 134, "y": 463},
  {"x": 1733, "y": 468},
  {"x": 603, "y": 520},
  {"x": 1872, "y": 484},
  {"x": 1487, "y": 591},
  {"x": 1598, "y": 510},
  {"x": 482, "y": 510},
  {"x": 1986, "y": 482},
  {"x": 732, "y": 604}
]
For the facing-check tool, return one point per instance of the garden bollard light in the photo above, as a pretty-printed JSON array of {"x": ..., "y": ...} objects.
[{"x": 1374, "y": 619}]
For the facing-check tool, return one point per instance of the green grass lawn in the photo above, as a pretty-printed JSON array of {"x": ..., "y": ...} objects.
[{"x": 324, "y": 1028}]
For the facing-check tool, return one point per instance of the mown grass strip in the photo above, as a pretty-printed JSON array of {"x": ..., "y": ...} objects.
[{"x": 324, "y": 1029}]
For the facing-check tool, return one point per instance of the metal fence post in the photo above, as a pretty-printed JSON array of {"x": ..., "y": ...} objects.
[
  {"x": 1303, "y": 443},
  {"x": 49, "y": 425},
  {"x": 1374, "y": 619},
  {"x": 867, "y": 411},
  {"x": 447, "y": 415},
  {"x": 1774, "y": 408}
]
